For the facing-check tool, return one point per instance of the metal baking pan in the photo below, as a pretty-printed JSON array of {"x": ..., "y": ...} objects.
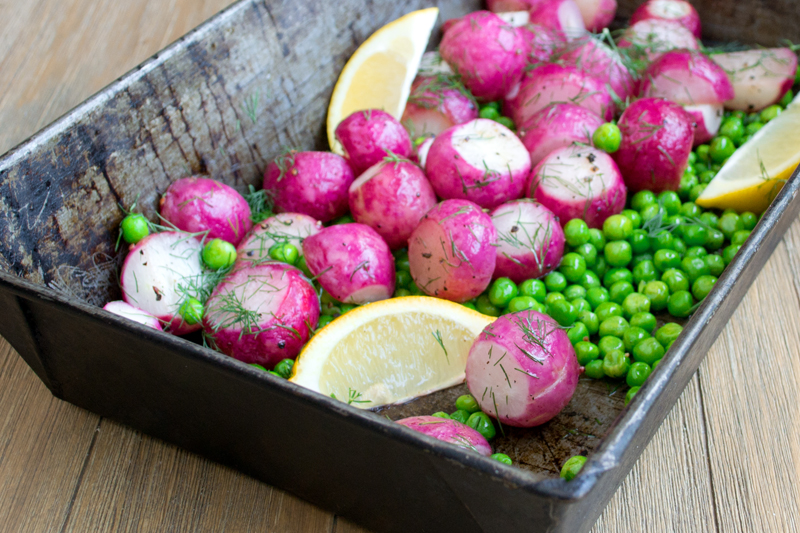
[{"x": 224, "y": 100}]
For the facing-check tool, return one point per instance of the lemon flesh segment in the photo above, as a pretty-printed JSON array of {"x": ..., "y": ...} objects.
[
  {"x": 390, "y": 351},
  {"x": 380, "y": 72},
  {"x": 756, "y": 172}
]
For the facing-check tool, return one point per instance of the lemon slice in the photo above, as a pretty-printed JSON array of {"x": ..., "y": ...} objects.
[
  {"x": 380, "y": 72},
  {"x": 390, "y": 351},
  {"x": 756, "y": 172}
]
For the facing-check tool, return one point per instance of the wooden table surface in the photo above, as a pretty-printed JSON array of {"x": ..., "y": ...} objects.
[{"x": 726, "y": 459}]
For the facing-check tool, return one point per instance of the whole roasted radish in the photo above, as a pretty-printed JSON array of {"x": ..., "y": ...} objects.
[
  {"x": 687, "y": 78},
  {"x": 130, "y": 312},
  {"x": 451, "y": 431},
  {"x": 760, "y": 77},
  {"x": 292, "y": 228},
  {"x": 557, "y": 126},
  {"x": 370, "y": 135},
  {"x": 541, "y": 43},
  {"x": 597, "y": 14},
  {"x": 563, "y": 16},
  {"x": 522, "y": 369},
  {"x": 679, "y": 11},
  {"x": 597, "y": 59},
  {"x": 437, "y": 103},
  {"x": 653, "y": 37}
]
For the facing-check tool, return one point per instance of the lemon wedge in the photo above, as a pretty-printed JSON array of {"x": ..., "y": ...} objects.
[
  {"x": 756, "y": 172},
  {"x": 390, "y": 351},
  {"x": 380, "y": 72}
]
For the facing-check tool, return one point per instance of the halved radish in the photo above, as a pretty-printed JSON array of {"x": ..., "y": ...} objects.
[
  {"x": 130, "y": 312},
  {"x": 688, "y": 78},
  {"x": 561, "y": 15},
  {"x": 597, "y": 59},
  {"x": 654, "y": 37},
  {"x": 597, "y": 14},
  {"x": 760, "y": 77},
  {"x": 707, "y": 119},
  {"x": 290, "y": 228},
  {"x": 557, "y": 126},
  {"x": 679, "y": 11},
  {"x": 437, "y": 103}
]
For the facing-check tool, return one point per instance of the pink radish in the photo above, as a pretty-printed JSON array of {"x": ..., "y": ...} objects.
[
  {"x": 679, "y": 11},
  {"x": 707, "y": 119},
  {"x": 688, "y": 78},
  {"x": 352, "y": 262},
  {"x": 657, "y": 137},
  {"x": 516, "y": 18},
  {"x": 292, "y": 228},
  {"x": 522, "y": 369},
  {"x": 391, "y": 198},
  {"x": 760, "y": 77},
  {"x": 504, "y": 6},
  {"x": 422, "y": 151},
  {"x": 370, "y": 135},
  {"x": 541, "y": 43},
  {"x": 487, "y": 52},
  {"x": 579, "y": 182},
  {"x": 451, "y": 431},
  {"x": 452, "y": 253},
  {"x": 262, "y": 313},
  {"x": 563, "y": 16},
  {"x": 437, "y": 103},
  {"x": 130, "y": 312},
  {"x": 198, "y": 204},
  {"x": 592, "y": 56},
  {"x": 530, "y": 241},
  {"x": 557, "y": 126},
  {"x": 597, "y": 14},
  {"x": 481, "y": 161},
  {"x": 654, "y": 37},
  {"x": 160, "y": 272}
]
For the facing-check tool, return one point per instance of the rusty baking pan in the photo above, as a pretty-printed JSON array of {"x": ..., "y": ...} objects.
[{"x": 224, "y": 100}]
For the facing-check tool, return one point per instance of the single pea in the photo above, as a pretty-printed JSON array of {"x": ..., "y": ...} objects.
[
  {"x": 688, "y": 181},
  {"x": 572, "y": 467},
  {"x": 645, "y": 321},
  {"x": 692, "y": 158},
  {"x": 346, "y": 308},
  {"x": 696, "y": 251},
  {"x": 668, "y": 333},
  {"x": 648, "y": 351},
  {"x": 324, "y": 320},
  {"x": 502, "y": 458},
  {"x": 191, "y": 310},
  {"x": 701, "y": 167},
  {"x": 703, "y": 153},
  {"x": 534, "y": 288},
  {"x": 709, "y": 219},
  {"x": 607, "y": 310},
  {"x": 721, "y": 149},
  {"x": 640, "y": 241},
  {"x": 729, "y": 253},
  {"x": 696, "y": 191},
  {"x": 704, "y": 178},
  {"x": 460, "y": 415},
  {"x": 640, "y": 258},
  {"x": 494, "y": 105},
  {"x": 619, "y": 291},
  {"x": 630, "y": 394},
  {"x": 402, "y": 278},
  {"x": 666, "y": 259},
  {"x": 671, "y": 202},
  {"x": 730, "y": 223},
  {"x": 638, "y": 374},
  {"x": 489, "y": 112},
  {"x": 441, "y": 414},
  {"x": 572, "y": 266},
  {"x": 594, "y": 369},
  {"x": 749, "y": 220},
  {"x": 581, "y": 305},
  {"x": 617, "y": 274},
  {"x": 577, "y": 333},
  {"x": 401, "y": 262},
  {"x": 274, "y": 373},
  {"x": 695, "y": 235},
  {"x": 770, "y": 113},
  {"x": 617, "y": 228},
  {"x": 507, "y": 122},
  {"x": 134, "y": 228},
  {"x": 676, "y": 280},
  {"x": 609, "y": 344},
  {"x": 634, "y": 217},
  {"x": 663, "y": 240},
  {"x": 219, "y": 254},
  {"x": 658, "y": 294},
  {"x": 715, "y": 240},
  {"x": 555, "y": 282},
  {"x": 259, "y": 367},
  {"x": 618, "y": 253},
  {"x": 468, "y": 305},
  {"x": 481, "y": 423},
  {"x": 738, "y": 114},
  {"x": 521, "y": 303},
  {"x": 733, "y": 128},
  {"x": 563, "y": 312},
  {"x": 591, "y": 322},
  {"x": 642, "y": 199},
  {"x": 787, "y": 98},
  {"x": 502, "y": 291},
  {"x": 607, "y": 137},
  {"x": 576, "y": 232},
  {"x": 715, "y": 264},
  {"x": 635, "y": 303},
  {"x": 702, "y": 286},
  {"x": 597, "y": 239},
  {"x": 694, "y": 267},
  {"x": 616, "y": 364},
  {"x": 284, "y": 368},
  {"x": 679, "y": 246},
  {"x": 468, "y": 403},
  {"x": 676, "y": 222},
  {"x": 680, "y": 304},
  {"x": 614, "y": 326},
  {"x": 740, "y": 237},
  {"x": 589, "y": 254},
  {"x": 553, "y": 297},
  {"x": 344, "y": 219},
  {"x": 633, "y": 336},
  {"x": 596, "y": 296},
  {"x": 586, "y": 352},
  {"x": 752, "y": 129},
  {"x": 601, "y": 267},
  {"x": 590, "y": 280},
  {"x": 413, "y": 289},
  {"x": 644, "y": 271},
  {"x": 691, "y": 210},
  {"x": 485, "y": 306}
]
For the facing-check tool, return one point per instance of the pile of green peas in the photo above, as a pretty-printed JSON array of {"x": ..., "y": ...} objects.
[
  {"x": 468, "y": 412},
  {"x": 492, "y": 111}
]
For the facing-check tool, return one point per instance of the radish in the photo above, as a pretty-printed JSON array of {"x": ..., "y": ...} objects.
[
  {"x": 760, "y": 77},
  {"x": 370, "y": 135},
  {"x": 592, "y": 56},
  {"x": 199, "y": 204},
  {"x": 654, "y": 37},
  {"x": 530, "y": 241},
  {"x": 597, "y": 14},
  {"x": 160, "y": 272},
  {"x": 311, "y": 183},
  {"x": 432, "y": 64},
  {"x": 422, "y": 151},
  {"x": 391, "y": 198},
  {"x": 126, "y": 310},
  {"x": 504, "y": 6},
  {"x": 352, "y": 262},
  {"x": 487, "y": 52},
  {"x": 451, "y": 252},
  {"x": 707, "y": 119},
  {"x": 579, "y": 182},
  {"x": 522, "y": 369},
  {"x": 657, "y": 137},
  {"x": 516, "y": 18},
  {"x": 688, "y": 78},
  {"x": 563, "y": 16},
  {"x": 451, "y": 431},
  {"x": 481, "y": 161},
  {"x": 437, "y": 103},
  {"x": 557, "y": 126},
  {"x": 262, "y": 313},
  {"x": 290, "y": 228},
  {"x": 679, "y": 11},
  {"x": 541, "y": 43}
]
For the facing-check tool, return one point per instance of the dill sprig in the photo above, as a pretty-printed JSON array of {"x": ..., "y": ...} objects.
[
  {"x": 250, "y": 106},
  {"x": 353, "y": 396},
  {"x": 261, "y": 203},
  {"x": 438, "y": 336}
]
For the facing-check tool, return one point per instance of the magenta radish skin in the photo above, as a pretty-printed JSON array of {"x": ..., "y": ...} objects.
[
  {"x": 563, "y": 16},
  {"x": 311, "y": 183},
  {"x": 579, "y": 182},
  {"x": 530, "y": 241},
  {"x": 126, "y": 310},
  {"x": 451, "y": 431},
  {"x": 370, "y": 135},
  {"x": 197, "y": 204},
  {"x": 283, "y": 302},
  {"x": 505, "y": 6},
  {"x": 391, "y": 198},
  {"x": 657, "y": 37},
  {"x": 597, "y": 14},
  {"x": 522, "y": 369},
  {"x": 760, "y": 78},
  {"x": 452, "y": 251},
  {"x": 291, "y": 228},
  {"x": 657, "y": 137},
  {"x": 352, "y": 262},
  {"x": 679, "y": 11},
  {"x": 435, "y": 104},
  {"x": 598, "y": 60},
  {"x": 557, "y": 126},
  {"x": 707, "y": 119},
  {"x": 540, "y": 43},
  {"x": 687, "y": 78},
  {"x": 487, "y": 52}
]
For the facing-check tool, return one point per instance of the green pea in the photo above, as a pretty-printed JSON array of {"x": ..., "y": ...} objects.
[
  {"x": 729, "y": 224},
  {"x": 677, "y": 222},
  {"x": 553, "y": 297},
  {"x": 709, "y": 219},
  {"x": 671, "y": 202},
  {"x": 219, "y": 254},
  {"x": 402, "y": 278},
  {"x": 701, "y": 167},
  {"x": 502, "y": 291},
  {"x": 646, "y": 321},
  {"x": 284, "y": 368},
  {"x": 680, "y": 304},
  {"x": 692, "y": 158},
  {"x": 715, "y": 240},
  {"x": 591, "y": 322},
  {"x": 589, "y": 280},
  {"x": 563, "y": 312},
  {"x": 666, "y": 259},
  {"x": 485, "y": 306},
  {"x": 787, "y": 98},
  {"x": 494, "y": 105},
  {"x": 652, "y": 211},
  {"x": 507, "y": 122},
  {"x": 617, "y": 274},
  {"x": 617, "y": 228},
  {"x": 555, "y": 282},
  {"x": 740, "y": 237},
  {"x": 614, "y": 326},
  {"x": 619, "y": 291},
  {"x": 460, "y": 415},
  {"x": 676, "y": 280},
  {"x": 301, "y": 264},
  {"x": 581, "y": 305},
  {"x": 191, "y": 310},
  {"x": 696, "y": 251},
  {"x": 607, "y": 137},
  {"x": 274, "y": 373},
  {"x": 679, "y": 246},
  {"x": 572, "y": 266},
  {"x": 441, "y": 414},
  {"x": 642, "y": 199},
  {"x": 578, "y": 333},
  {"x": 344, "y": 219},
  {"x": 616, "y": 364},
  {"x": 640, "y": 241},
  {"x": 502, "y": 458},
  {"x": 695, "y": 235},
  {"x": 413, "y": 289},
  {"x": 770, "y": 113},
  {"x": 634, "y": 217},
  {"x": 586, "y": 352},
  {"x": 749, "y": 220},
  {"x": 589, "y": 254},
  {"x": 576, "y": 232},
  {"x": 596, "y": 296},
  {"x": 638, "y": 374},
  {"x": 702, "y": 286},
  {"x": 601, "y": 267},
  {"x": 534, "y": 288},
  {"x": 607, "y": 310},
  {"x": 134, "y": 228},
  {"x": 691, "y": 210},
  {"x": 703, "y": 153},
  {"x": 715, "y": 264},
  {"x": 752, "y": 129},
  {"x": 706, "y": 177},
  {"x": 539, "y": 308},
  {"x": 694, "y": 268},
  {"x": 696, "y": 191},
  {"x": 597, "y": 239},
  {"x": 733, "y": 128},
  {"x": 688, "y": 181},
  {"x": 489, "y": 112},
  {"x": 658, "y": 294},
  {"x": 468, "y": 305},
  {"x": 668, "y": 333},
  {"x": 633, "y": 336},
  {"x": 631, "y": 393},
  {"x": 663, "y": 240},
  {"x": 481, "y": 423},
  {"x": 618, "y": 253},
  {"x": 635, "y": 303},
  {"x": 572, "y": 467},
  {"x": 594, "y": 369},
  {"x": 324, "y": 320},
  {"x": 721, "y": 149},
  {"x": 648, "y": 351},
  {"x": 609, "y": 344},
  {"x": 401, "y": 262},
  {"x": 468, "y": 403},
  {"x": 729, "y": 253},
  {"x": 644, "y": 271},
  {"x": 521, "y": 303}
]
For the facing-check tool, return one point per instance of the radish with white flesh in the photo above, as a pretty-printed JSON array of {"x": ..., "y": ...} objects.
[
  {"x": 311, "y": 183},
  {"x": 130, "y": 312},
  {"x": 516, "y": 18},
  {"x": 262, "y": 314},
  {"x": 594, "y": 57},
  {"x": 597, "y": 14},
  {"x": 679, "y": 11},
  {"x": 554, "y": 83},
  {"x": 437, "y": 103},
  {"x": 541, "y": 43},
  {"x": 370, "y": 135},
  {"x": 522, "y": 369},
  {"x": 391, "y": 198},
  {"x": 760, "y": 77},
  {"x": 160, "y": 272},
  {"x": 432, "y": 64},
  {"x": 654, "y": 37},
  {"x": 487, "y": 52},
  {"x": 579, "y": 182},
  {"x": 451, "y": 431},
  {"x": 291, "y": 228},
  {"x": 657, "y": 138},
  {"x": 557, "y": 126},
  {"x": 707, "y": 119},
  {"x": 530, "y": 241},
  {"x": 505, "y": 6},
  {"x": 687, "y": 78},
  {"x": 199, "y": 204},
  {"x": 422, "y": 151},
  {"x": 563, "y": 16},
  {"x": 452, "y": 251},
  {"x": 352, "y": 262},
  {"x": 481, "y": 161}
]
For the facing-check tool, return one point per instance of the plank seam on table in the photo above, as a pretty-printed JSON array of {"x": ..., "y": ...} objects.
[
  {"x": 708, "y": 450},
  {"x": 80, "y": 476}
]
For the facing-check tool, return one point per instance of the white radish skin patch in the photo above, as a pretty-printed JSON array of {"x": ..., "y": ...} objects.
[
  {"x": 486, "y": 145},
  {"x": 578, "y": 174},
  {"x": 569, "y": 14},
  {"x": 668, "y": 9},
  {"x": 422, "y": 151},
  {"x": 130, "y": 312},
  {"x": 712, "y": 116},
  {"x": 516, "y": 18}
]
